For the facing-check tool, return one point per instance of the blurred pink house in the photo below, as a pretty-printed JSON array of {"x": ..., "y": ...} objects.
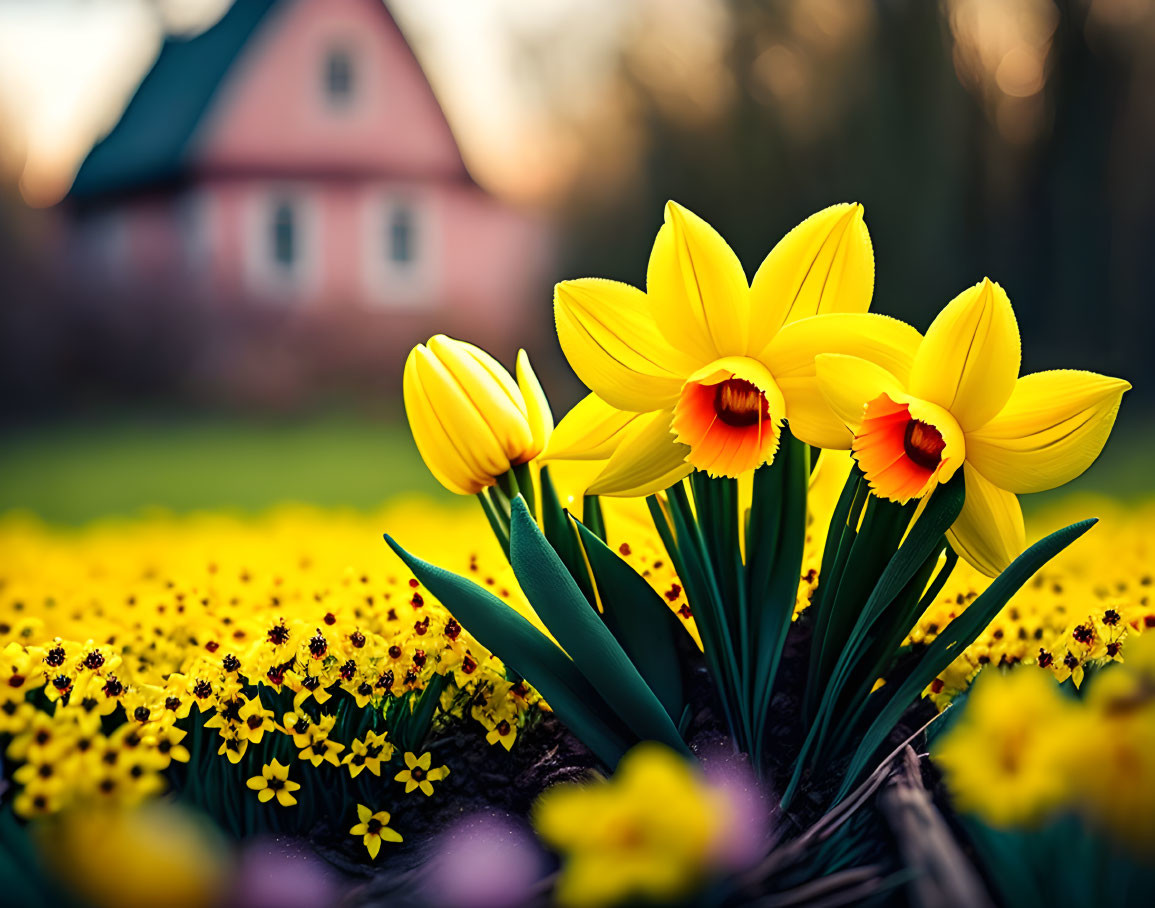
[{"x": 294, "y": 157}]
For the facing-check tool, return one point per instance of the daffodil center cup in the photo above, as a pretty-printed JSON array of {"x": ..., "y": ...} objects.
[
  {"x": 923, "y": 444},
  {"x": 728, "y": 413},
  {"x": 740, "y": 403},
  {"x": 905, "y": 447}
]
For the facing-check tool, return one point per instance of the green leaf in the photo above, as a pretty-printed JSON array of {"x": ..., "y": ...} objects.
[
  {"x": 530, "y": 653},
  {"x": 920, "y": 544},
  {"x": 561, "y": 535},
  {"x": 559, "y": 602},
  {"x": 955, "y": 638},
  {"x": 777, "y": 541},
  {"x": 418, "y": 722},
  {"x": 642, "y": 623}
]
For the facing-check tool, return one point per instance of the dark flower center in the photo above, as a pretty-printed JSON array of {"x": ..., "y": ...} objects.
[
  {"x": 739, "y": 403},
  {"x": 923, "y": 444}
]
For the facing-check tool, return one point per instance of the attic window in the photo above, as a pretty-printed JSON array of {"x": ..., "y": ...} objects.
[{"x": 339, "y": 77}]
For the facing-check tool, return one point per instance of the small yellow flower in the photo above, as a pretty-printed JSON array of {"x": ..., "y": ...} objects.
[
  {"x": 368, "y": 754},
  {"x": 419, "y": 774},
  {"x": 274, "y": 782},
  {"x": 373, "y": 829},
  {"x": 255, "y": 720}
]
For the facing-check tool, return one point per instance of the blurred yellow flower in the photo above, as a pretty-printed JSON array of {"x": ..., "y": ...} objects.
[
  {"x": 137, "y": 858},
  {"x": 274, "y": 782},
  {"x": 373, "y": 828},
  {"x": 1005, "y": 759},
  {"x": 470, "y": 420},
  {"x": 701, "y": 370},
  {"x": 963, "y": 405},
  {"x": 650, "y": 833}
]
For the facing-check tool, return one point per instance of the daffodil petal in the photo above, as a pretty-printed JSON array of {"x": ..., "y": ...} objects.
[
  {"x": 849, "y": 383},
  {"x": 647, "y": 460},
  {"x": 1052, "y": 429},
  {"x": 885, "y": 341},
  {"x": 970, "y": 357},
  {"x": 537, "y": 410},
  {"x": 590, "y": 431},
  {"x": 487, "y": 386},
  {"x": 825, "y": 264},
  {"x": 609, "y": 337},
  {"x": 697, "y": 290},
  {"x": 989, "y": 533},
  {"x": 459, "y": 473}
]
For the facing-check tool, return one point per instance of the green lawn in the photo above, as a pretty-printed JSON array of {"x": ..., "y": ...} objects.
[{"x": 76, "y": 471}]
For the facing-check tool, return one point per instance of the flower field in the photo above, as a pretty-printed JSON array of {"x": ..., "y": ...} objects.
[{"x": 760, "y": 620}]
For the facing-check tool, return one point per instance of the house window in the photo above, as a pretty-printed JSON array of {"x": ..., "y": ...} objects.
[
  {"x": 338, "y": 77},
  {"x": 400, "y": 239},
  {"x": 284, "y": 235}
]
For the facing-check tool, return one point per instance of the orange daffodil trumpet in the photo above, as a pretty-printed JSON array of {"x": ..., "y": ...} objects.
[
  {"x": 471, "y": 421},
  {"x": 962, "y": 405},
  {"x": 701, "y": 370}
]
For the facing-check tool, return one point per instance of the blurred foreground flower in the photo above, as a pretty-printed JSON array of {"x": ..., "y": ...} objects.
[
  {"x": 1004, "y": 758},
  {"x": 701, "y": 370},
  {"x": 157, "y": 854},
  {"x": 1023, "y": 753},
  {"x": 484, "y": 861},
  {"x": 965, "y": 406},
  {"x": 472, "y": 423},
  {"x": 653, "y": 832}
]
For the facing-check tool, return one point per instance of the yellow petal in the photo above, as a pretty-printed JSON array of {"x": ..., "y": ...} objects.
[
  {"x": 536, "y": 406},
  {"x": 609, "y": 337},
  {"x": 590, "y": 431},
  {"x": 489, "y": 388},
  {"x": 697, "y": 289},
  {"x": 454, "y": 467},
  {"x": 265, "y": 795},
  {"x": 825, "y": 264},
  {"x": 885, "y": 341},
  {"x": 647, "y": 460},
  {"x": 1050, "y": 431},
  {"x": 256, "y": 783},
  {"x": 969, "y": 360},
  {"x": 989, "y": 532},
  {"x": 849, "y": 383},
  {"x": 373, "y": 844}
]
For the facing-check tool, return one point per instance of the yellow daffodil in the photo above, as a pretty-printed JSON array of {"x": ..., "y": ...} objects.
[
  {"x": 963, "y": 405},
  {"x": 470, "y": 420},
  {"x": 701, "y": 370},
  {"x": 274, "y": 782},
  {"x": 419, "y": 774},
  {"x": 373, "y": 828}
]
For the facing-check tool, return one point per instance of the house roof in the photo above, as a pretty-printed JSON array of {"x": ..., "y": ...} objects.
[
  {"x": 151, "y": 143},
  {"x": 148, "y": 145}
]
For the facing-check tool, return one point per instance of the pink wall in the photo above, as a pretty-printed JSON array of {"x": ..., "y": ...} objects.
[{"x": 272, "y": 114}]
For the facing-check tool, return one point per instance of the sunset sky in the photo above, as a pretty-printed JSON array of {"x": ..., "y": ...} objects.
[{"x": 67, "y": 67}]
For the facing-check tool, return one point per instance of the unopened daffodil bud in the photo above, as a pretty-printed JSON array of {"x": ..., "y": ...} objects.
[{"x": 471, "y": 420}]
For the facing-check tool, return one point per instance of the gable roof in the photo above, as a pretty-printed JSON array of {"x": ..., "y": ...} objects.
[{"x": 149, "y": 146}]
